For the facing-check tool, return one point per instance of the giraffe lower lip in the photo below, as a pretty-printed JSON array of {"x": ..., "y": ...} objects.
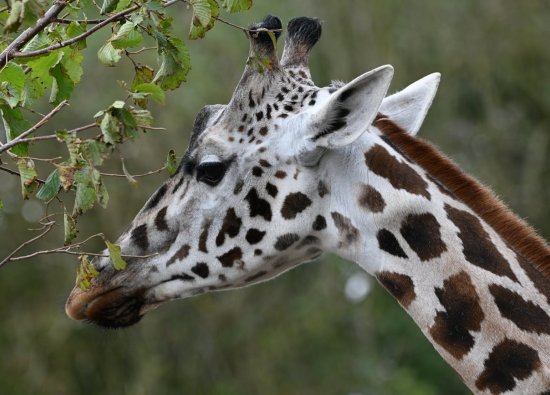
[{"x": 112, "y": 308}]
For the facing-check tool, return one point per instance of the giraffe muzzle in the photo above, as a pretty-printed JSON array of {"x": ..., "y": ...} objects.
[{"x": 111, "y": 308}]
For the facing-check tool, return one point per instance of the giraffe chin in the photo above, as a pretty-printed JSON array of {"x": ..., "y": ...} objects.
[{"x": 111, "y": 308}]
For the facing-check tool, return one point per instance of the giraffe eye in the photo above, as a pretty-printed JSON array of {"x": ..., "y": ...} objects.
[{"x": 211, "y": 173}]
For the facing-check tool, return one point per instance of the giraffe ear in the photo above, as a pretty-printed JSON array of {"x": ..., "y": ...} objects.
[
  {"x": 409, "y": 107},
  {"x": 348, "y": 112}
]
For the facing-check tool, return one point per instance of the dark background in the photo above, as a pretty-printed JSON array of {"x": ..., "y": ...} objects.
[{"x": 298, "y": 334}]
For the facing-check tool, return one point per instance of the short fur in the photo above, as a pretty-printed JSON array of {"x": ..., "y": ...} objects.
[{"x": 520, "y": 236}]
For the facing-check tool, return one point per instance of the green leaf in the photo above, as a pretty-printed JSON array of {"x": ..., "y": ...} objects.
[
  {"x": 86, "y": 273},
  {"x": 109, "y": 129},
  {"x": 28, "y": 176},
  {"x": 109, "y": 55},
  {"x": 198, "y": 29},
  {"x": 171, "y": 162},
  {"x": 15, "y": 124},
  {"x": 236, "y": 5},
  {"x": 85, "y": 190},
  {"x": 15, "y": 18},
  {"x": 94, "y": 152},
  {"x": 143, "y": 74},
  {"x": 62, "y": 86},
  {"x": 38, "y": 42},
  {"x": 12, "y": 82},
  {"x": 69, "y": 225},
  {"x": 154, "y": 90},
  {"x": 108, "y": 6},
  {"x": 72, "y": 63},
  {"x": 75, "y": 29},
  {"x": 40, "y": 67},
  {"x": 201, "y": 11},
  {"x": 174, "y": 61},
  {"x": 142, "y": 117},
  {"x": 1, "y": 204},
  {"x": 127, "y": 36},
  {"x": 116, "y": 256},
  {"x": 50, "y": 187}
]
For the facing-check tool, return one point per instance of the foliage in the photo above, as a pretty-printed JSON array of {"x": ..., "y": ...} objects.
[{"x": 46, "y": 64}]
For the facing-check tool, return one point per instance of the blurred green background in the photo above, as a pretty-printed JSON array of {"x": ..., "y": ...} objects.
[{"x": 299, "y": 334}]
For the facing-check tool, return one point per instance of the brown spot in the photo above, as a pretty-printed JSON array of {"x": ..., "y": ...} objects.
[
  {"x": 371, "y": 199},
  {"x": 322, "y": 188},
  {"x": 388, "y": 242},
  {"x": 139, "y": 237},
  {"x": 285, "y": 241},
  {"x": 348, "y": 233},
  {"x": 539, "y": 280},
  {"x": 257, "y": 171},
  {"x": 201, "y": 269},
  {"x": 308, "y": 241},
  {"x": 264, "y": 163},
  {"x": 263, "y": 130},
  {"x": 462, "y": 314},
  {"x": 400, "y": 286},
  {"x": 238, "y": 187},
  {"x": 399, "y": 174},
  {"x": 280, "y": 174},
  {"x": 508, "y": 362},
  {"x": 204, "y": 236},
  {"x": 525, "y": 314},
  {"x": 477, "y": 246},
  {"x": 254, "y": 236},
  {"x": 294, "y": 204},
  {"x": 180, "y": 254},
  {"x": 271, "y": 189},
  {"x": 160, "y": 219},
  {"x": 229, "y": 258},
  {"x": 421, "y": 232},
  {"x": 320, "y": 223},
  {"x": 230, "y": 226}
]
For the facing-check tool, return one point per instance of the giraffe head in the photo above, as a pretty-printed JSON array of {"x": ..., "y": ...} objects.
[{"x": 250, "y": 197}]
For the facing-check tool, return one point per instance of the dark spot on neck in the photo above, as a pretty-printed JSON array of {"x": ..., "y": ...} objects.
[{"x": 387, "y": 242}]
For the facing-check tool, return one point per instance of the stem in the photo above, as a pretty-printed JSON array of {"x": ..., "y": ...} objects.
[
  {"x": 83, "y": 21},
  {"x": 29, "y": 33},
  {"x": 80, "y": 37},
  {"x": 47, "y": 227},
  {"x": 35, "y": 127},
  {"x": 135, "y": 175},
  {"x": 18, "y": 175},
  {"x": 54, "y": 137}
]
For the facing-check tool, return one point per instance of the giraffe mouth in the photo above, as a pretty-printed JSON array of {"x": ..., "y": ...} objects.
[{"x": 112, "y": 308}]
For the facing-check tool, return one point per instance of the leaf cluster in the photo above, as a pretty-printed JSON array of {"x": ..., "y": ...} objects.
[{"x": 45, "y": 65}]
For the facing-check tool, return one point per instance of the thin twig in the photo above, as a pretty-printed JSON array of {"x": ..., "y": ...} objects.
[
  {"x": 35, "y": 127},
  {"x": 29, "y": 33},
  {"x": 19, "y": 175},
  {"x": 47, "y": 227},
  {"x": 83, "y": 21},
  {"x": 78, "y": 38},
  {"x": 54, "y": 136},
  {"x": 141, "y": 50},
  {"x": 65, "y": 250},
  {"x": 135, "y": 175}
]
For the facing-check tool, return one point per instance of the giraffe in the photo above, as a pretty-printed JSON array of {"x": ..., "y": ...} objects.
[{"x": 287, "y": 171}]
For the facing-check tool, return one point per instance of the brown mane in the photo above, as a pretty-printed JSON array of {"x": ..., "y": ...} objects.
[{"x": 517, "y": 233}]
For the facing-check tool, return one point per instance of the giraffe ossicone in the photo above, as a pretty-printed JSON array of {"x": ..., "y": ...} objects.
[{"x": 287, "y": 171}]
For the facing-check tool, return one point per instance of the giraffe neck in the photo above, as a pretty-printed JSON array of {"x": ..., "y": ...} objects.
[{"x": 484, "y": 307}]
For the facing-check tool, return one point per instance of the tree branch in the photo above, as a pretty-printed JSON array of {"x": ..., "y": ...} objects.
[
  {"x": 29, "y": 33},
  {"x": 34, "y": 128},
  {"x": 78, "y": 38}
]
